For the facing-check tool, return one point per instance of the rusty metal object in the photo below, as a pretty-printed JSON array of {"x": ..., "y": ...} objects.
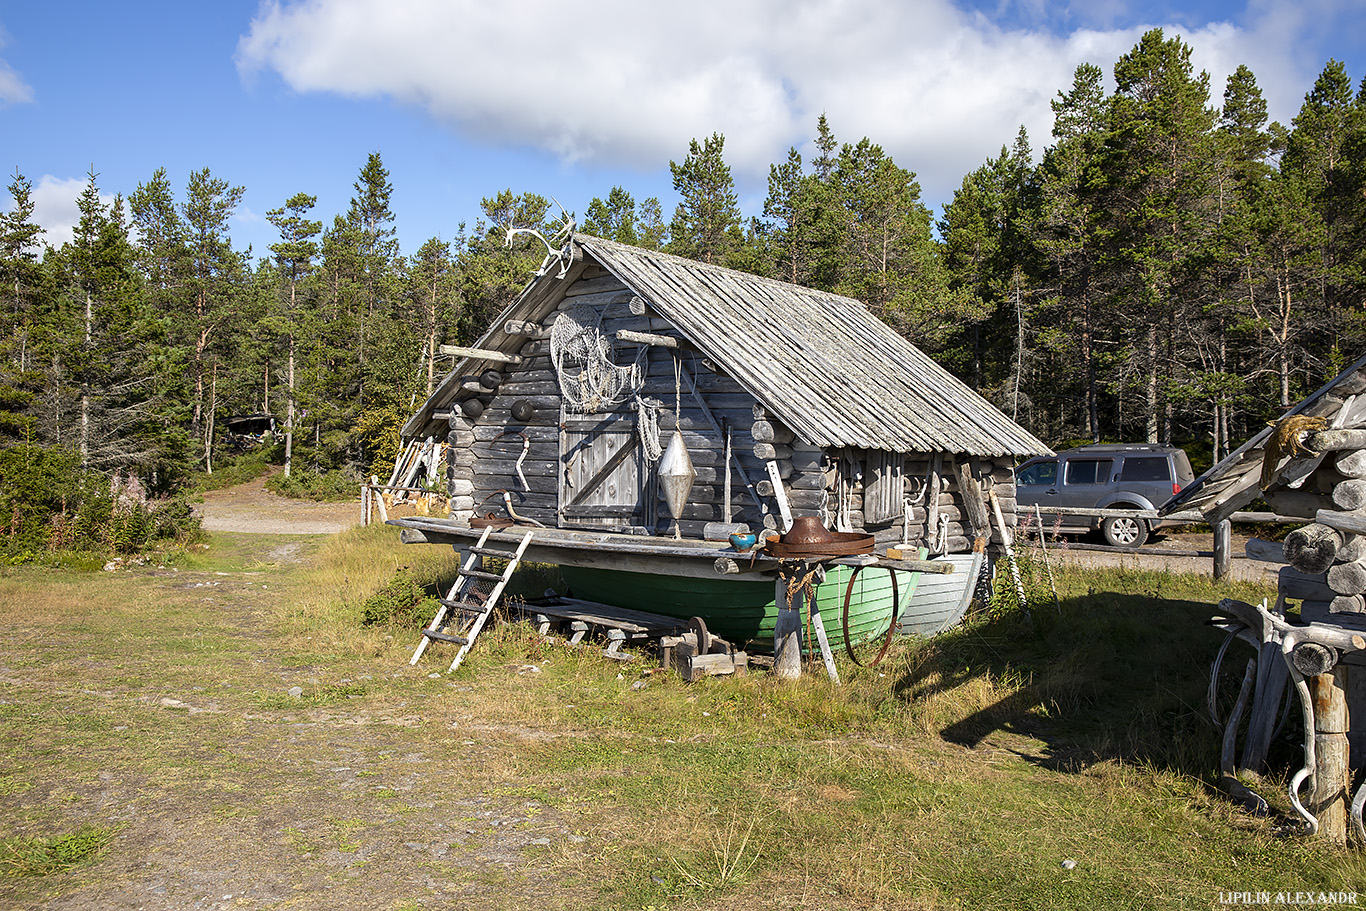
[
  {"x": 891, "y": 628},
  {"x": 490, "y": 520},
  {"x": 840, "y": 544},
  {"x": 806, "y": 530}
]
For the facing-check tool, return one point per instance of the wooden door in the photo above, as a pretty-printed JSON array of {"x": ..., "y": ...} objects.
[{"x": 602, "y": 478}]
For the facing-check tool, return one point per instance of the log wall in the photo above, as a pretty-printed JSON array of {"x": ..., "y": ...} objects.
[{"x": 485, "y": 448}]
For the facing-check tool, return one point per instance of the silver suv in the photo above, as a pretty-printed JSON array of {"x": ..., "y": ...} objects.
[{"x": 1103, "y": 477}]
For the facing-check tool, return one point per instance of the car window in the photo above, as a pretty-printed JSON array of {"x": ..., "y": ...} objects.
[
  {"x": 1039, "y": 473},
  {"x": 1145, "y": 468},
  {"x": 1088, "y": 471}
]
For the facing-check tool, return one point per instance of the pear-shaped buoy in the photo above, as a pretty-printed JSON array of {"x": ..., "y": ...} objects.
[{"x": 676, "y": 475}]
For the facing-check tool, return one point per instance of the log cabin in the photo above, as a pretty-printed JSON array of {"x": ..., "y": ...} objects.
[
  {"x": 788, "y": 401},
  {"x": 634, "y": 409}
]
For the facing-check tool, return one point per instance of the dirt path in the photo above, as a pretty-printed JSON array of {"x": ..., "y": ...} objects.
[
  {"x": 233, "y": 773},
  {"x": 251, "y": 508}
]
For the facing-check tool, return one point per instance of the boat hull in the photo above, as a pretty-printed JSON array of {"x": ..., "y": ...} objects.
[{"x": 743, "y": 611}]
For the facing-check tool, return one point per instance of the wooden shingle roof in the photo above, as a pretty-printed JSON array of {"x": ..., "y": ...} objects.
[
  {"x": 1236, "y": 481},
  {"x": 820, "y": 362}
]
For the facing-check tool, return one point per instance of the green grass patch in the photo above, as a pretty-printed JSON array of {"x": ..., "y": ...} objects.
[{"x": 43, "y": 856}]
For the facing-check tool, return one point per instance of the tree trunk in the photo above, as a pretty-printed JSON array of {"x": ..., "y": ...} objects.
[{"x": 289, "y": 406}]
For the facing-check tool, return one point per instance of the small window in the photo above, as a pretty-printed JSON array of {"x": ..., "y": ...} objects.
[
  {"x": 1088, "y": 471},
  {"x": 1145, "y": 468},
  {"x": 1038, "y": 474}
]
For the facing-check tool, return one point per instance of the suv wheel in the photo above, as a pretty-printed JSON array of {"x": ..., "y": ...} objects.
[{"x": 1124, "y": 532}]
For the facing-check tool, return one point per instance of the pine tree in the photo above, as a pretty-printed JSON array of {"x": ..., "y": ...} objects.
[
  {"x": 294, "y": 256},
  {"x": 214, "y": 276},
  {"x": 1066, "y": 234},
  {"x": 1158, "y": 164},
  {"x": 706, "y": 224},
  {"x": 20, "y": 274}
]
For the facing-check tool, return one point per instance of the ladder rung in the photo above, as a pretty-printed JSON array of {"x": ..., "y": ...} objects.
[
  {"x": 493, "y": 552},
  {"x": 469, "y": 607},
  {"x": 445, "y": 637},
  {"x": 480, "y": 574}
]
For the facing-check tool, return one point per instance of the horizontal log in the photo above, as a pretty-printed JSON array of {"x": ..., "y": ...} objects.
[
  {"x": 1347, "y": 578},
  {"x": 1347, "y": 604},
  {"x": 770, "y": 451},
  {"x": 1293, "y": 584},
  {"x": 653, "y": 339},
  {"x": 1350, "y": 494},
  {"x": 483, "y": 354},
  {"x": 1353, "y": 548},
  {"x": 605, "y": 285},
  {"x": 1352, "y": 463},
  {"x": 1298, "y": 503},
  {"x": 1265, "y": 551},
  {"x": 1313, "y": 548},
  {"x": 1333, "y": 440},
  {"x": 521, "y": 327},
  {"x": 1354, "y": 522},
  {"x": 768, "y": 432}
]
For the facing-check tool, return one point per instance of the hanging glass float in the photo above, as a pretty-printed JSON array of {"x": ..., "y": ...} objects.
[{"x": 676, "y": 475}]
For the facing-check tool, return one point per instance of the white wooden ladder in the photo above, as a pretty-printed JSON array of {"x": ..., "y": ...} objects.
[{"x": 472, "y": 598}]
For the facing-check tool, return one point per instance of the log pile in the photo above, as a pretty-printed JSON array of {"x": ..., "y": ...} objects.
[
  {"x": 1331, "y": 551},
  {"x": 1318, "y": 471}
]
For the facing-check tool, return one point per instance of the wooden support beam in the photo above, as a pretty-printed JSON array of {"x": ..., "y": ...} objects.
[
  {"x": 485, "y": 354},
  {"x": 1223, "y": 548},
  {"x": 1332, "y": 771},
  {"x": 650, "y": 338}
]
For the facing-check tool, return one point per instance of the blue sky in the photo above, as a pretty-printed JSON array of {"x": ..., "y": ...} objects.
[{"x": 464, "y": 98}]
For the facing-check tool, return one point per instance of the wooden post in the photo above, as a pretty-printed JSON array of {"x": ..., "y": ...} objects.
[
  {"x": 1223, "y": 548},
  {"x": 787, "y": 629},
  {"x": 818, "y": 627},
  {"x": 1332, "y": 772},
  {"x": 365, "y": 505},
  {"x": 379, "y": 500}
]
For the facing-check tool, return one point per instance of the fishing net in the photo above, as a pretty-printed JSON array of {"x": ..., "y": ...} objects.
[{"x": 585, "y": 364}]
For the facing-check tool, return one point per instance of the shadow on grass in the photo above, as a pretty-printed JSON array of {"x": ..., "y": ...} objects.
[{"x": 1103, "y": 676}]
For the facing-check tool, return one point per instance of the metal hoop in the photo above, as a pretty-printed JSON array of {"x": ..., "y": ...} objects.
[{"x": 891, "y": 627}]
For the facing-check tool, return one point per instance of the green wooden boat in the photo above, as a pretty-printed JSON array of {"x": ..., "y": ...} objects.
[{"x": 743, "y": 610}]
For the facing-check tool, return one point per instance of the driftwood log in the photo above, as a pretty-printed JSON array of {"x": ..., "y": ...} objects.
[
  {"x": 1347, "y": 578},
  {"x": 1313, "y": 548},
  {"x": 1350, "y": 494}
]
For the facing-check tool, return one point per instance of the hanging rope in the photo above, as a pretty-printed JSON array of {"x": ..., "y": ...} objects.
[{"x": 647, "y": 427}]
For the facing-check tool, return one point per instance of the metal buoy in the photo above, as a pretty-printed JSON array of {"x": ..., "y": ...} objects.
[{"x": 676, "y": 476}]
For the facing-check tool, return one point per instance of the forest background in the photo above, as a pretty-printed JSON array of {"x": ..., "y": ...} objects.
[{"x": 1172, "y": 268}]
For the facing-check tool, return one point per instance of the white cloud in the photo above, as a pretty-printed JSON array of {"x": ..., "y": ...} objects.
[
  {"x": 13, "y": 88},
  {"x": 613, "y": 82}
]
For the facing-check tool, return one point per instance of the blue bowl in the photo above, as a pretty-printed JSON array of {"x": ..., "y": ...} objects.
[{"x": 743, "y": 543}]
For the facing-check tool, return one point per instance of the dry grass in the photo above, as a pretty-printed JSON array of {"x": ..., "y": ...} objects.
[{"x": 960, "y": 774}]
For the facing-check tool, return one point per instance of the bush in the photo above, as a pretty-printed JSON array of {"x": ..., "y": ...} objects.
[
  {"x": 48, "y": 503},
  {"x": 325, "y": 486},
  {"x": 403, "y": 601}
]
